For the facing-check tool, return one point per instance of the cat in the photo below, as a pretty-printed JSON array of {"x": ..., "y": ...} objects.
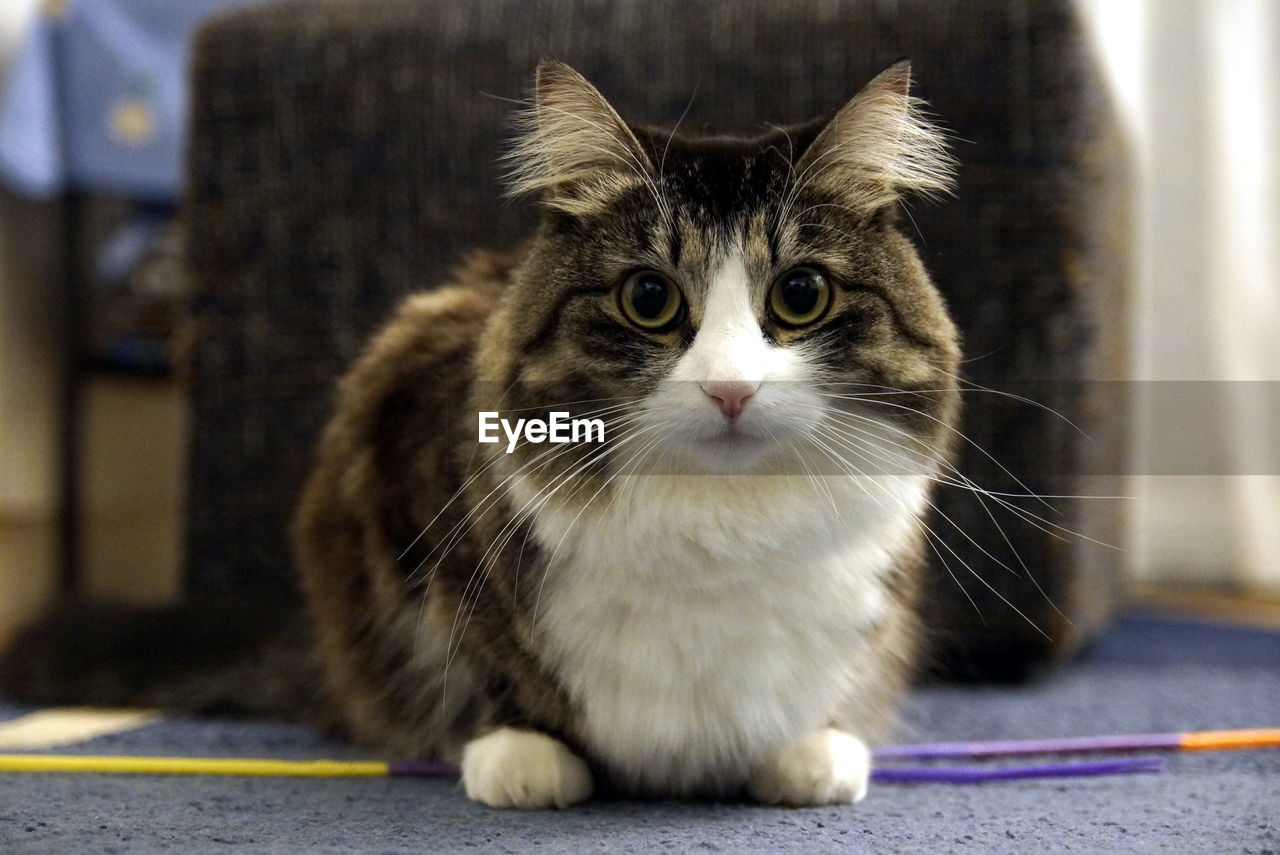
[{"x": 716, "y": 597}]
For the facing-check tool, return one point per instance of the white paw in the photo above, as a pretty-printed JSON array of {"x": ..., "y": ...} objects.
[
  {"x": 829, "y": 767},
  {"x": 523, "y": 769}
]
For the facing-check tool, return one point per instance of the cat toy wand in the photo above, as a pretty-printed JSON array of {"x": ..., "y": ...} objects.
[
  {"x": 1215, "y": 740},
  {"x": 414, "y": 769}
]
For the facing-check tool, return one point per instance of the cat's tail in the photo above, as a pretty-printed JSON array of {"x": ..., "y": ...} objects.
[{"x": 218, "y": 658}]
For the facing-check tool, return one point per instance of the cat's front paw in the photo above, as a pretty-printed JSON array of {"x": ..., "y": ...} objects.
[
  {"x": 512, "y": 768},
  {"x": 829, "y": 767}
]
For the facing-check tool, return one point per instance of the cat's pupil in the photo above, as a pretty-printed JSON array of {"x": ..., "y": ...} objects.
[
  {"x": 800, "y": 292},
  {"x": 649, "y": 297}
]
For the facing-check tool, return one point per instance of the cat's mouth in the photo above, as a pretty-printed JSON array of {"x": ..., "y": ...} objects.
[
  {"x": 732, "y": 437},
  {"x": 732, "y": 449}
]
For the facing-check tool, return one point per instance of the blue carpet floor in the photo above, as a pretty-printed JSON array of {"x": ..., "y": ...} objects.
[{"x": 1147, "y": 674}]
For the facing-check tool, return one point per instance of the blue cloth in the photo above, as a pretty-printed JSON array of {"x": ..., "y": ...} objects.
[{"x": 97, "y": 98}]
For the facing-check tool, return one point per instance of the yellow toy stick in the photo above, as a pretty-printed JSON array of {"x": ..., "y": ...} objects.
[{"x": 195, "y": 766}]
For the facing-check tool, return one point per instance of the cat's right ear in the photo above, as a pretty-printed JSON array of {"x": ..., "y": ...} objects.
[{"x": 572, "y": 146}]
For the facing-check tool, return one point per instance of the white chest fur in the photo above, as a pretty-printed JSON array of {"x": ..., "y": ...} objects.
[{"x": 702, "y": 623}]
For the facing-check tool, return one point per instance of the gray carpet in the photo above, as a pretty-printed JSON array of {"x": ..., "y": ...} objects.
[{"x": 1146, "y": 675}]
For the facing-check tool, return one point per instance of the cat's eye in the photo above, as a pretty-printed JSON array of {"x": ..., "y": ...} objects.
[
  {"x": 650, "y": 300},
  {"x": 799, "y": 297}
]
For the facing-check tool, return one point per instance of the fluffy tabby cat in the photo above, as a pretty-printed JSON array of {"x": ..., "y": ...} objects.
[{"x": 714, "y": 599}]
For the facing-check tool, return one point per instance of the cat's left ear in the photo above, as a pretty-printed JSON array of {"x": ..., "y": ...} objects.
[
  {"x": 880, "y": 147},
  {"x": 572, "y": 146}
]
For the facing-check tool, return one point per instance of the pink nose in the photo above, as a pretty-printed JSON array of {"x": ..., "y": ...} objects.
[{"x": 730, "y": 395}]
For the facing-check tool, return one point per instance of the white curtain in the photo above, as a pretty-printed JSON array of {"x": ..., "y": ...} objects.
[{"x": 1198, "y": 82}]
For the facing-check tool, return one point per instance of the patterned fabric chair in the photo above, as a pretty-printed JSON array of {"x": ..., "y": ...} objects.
[{"x": 343, "y": 154}]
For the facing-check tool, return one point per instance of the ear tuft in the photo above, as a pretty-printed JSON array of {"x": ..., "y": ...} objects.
[
  {"x": 571, "y": 145},
  {"x": 880, "y": 146}
]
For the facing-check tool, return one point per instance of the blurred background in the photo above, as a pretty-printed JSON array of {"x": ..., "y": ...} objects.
[{"x": 1197, "y": 88}]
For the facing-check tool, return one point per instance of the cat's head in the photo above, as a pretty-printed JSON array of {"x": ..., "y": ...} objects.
[{"x": 729, "y": 303}]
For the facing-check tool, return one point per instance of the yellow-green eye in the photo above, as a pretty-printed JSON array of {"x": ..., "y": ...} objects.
[
  {"x": 650, "y": 300},
  {"x": 799, "y": 296}
]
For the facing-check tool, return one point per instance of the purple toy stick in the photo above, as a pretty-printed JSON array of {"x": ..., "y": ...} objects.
[
  {"x": 1008, "y": 747},
  {"x": 978, "y": 775},
  {"x": 421, "y": 769}
]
